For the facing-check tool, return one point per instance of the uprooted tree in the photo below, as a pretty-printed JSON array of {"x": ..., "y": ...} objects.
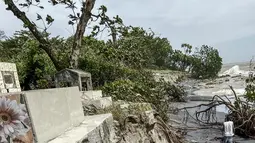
[{"x": 241, "y": 112}]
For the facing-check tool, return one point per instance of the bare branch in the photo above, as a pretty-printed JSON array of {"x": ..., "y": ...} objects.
[{"x": 44, "y": 44}]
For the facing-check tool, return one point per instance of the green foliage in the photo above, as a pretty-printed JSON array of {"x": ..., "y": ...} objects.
[
  {"x": 105, "y": 72},
  {"x": 120, "y": 113},
  {"x": 117, "y": 66},
  {"x": 159, "y": 94},
  {"x": 126, "y": 90},
  {"x": 141, "y": 49},
  {"x": 33, "y": 64},
  {"x": 250, "y": 88},
  {"x": 115, "y": 24},
  {"x": 120, "y": 73},
  {"x": 181, "y": 60},
  {"x": 206, "y": 63}
]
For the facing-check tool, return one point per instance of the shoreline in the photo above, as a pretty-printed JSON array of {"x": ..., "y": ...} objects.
[{"x": 201, "y": 92}]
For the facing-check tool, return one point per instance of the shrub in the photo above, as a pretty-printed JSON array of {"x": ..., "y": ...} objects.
[
  {"x": 250, "y": 88},
  {"x": 106, "y": 71},
  {"x": 206, "y": 63},
  {"x": 159, "y": 94}
]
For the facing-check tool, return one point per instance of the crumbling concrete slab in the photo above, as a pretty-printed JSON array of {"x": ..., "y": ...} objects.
[
  {"x": 92, "y": 94},
  {"x": 53, "y": 111},
  {"x": 94, "y": 129},
  {"x": 100, "y": 103}
]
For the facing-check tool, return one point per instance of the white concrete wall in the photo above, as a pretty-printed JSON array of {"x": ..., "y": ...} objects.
[{"x": 53, "y": 111}]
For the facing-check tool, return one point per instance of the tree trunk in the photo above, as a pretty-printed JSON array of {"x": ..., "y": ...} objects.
[
  {"x": 44, "y": 44},
  {"x": 87, "y": 7}
]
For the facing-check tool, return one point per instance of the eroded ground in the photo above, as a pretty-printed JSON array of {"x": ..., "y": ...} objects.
[{"x": 200, "y": 92}]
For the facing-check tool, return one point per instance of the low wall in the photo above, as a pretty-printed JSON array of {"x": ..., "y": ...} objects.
[{"x": 53, "y": 111}]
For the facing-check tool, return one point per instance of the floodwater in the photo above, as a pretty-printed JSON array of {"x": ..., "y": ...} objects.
[{"x": 200, "y": 92}]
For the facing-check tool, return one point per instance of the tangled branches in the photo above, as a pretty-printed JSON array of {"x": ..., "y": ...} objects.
[
  {"x": 156, "y": 129},
  {"x": 241, "y": 112}
]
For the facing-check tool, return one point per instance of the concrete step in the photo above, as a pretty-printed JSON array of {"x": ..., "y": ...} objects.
[
  {"x": 92, "y": 94},
  {"x": 61, "y": 118},
  {"x": 97, "y": 128}
]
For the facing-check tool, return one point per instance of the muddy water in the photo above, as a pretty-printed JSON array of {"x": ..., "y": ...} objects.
[{"x": 200, "y": 92}]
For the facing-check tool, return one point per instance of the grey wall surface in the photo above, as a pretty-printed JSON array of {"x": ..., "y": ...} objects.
[{"x": 53, "y": 111}]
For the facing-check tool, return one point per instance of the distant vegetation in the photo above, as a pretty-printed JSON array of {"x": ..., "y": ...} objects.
[
  {"x": 117, "y": 65},
  {"x": 206, "y": 63}
]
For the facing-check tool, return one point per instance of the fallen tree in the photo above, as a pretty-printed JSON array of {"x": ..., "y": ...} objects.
[{"x": 241, "y": 112}]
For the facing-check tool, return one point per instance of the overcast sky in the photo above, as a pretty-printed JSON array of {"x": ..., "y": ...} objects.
[{"x": 197, "y": 22}]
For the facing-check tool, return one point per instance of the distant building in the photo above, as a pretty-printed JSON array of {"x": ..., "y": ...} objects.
[
  {"x": 73, "y": 77},
  {"x": 9, "y": 81}
]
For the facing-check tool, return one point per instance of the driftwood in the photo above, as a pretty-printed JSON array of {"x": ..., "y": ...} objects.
[{"x": 240, "y": 112}]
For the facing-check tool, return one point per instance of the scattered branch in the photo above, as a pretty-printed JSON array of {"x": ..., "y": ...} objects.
[{"x": 240, "y": 112}]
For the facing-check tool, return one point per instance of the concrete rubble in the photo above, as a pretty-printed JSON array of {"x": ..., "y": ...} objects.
[{"x": 95, "y": 98}]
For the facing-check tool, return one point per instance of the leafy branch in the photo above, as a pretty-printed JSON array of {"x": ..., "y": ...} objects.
[{"x": 115, "y": 25}]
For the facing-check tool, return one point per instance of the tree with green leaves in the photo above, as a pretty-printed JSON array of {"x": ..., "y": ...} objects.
[
  {"x": 33, "y": 64},
  {"x": 186, "y": 57},
  {"x": 139, "y": 48},
  {"x": 80, "y": 19},
  {"x": 115, "y": 25},
  {"x": 181, "y": 60},
  {"x": 206, "y": 63}
]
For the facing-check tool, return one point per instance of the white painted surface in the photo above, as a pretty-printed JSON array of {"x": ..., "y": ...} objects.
[
  {"x": 75, "y": 105},
  {"x": 53, "y": 111},
  {"x": 78, "y": 134}
]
